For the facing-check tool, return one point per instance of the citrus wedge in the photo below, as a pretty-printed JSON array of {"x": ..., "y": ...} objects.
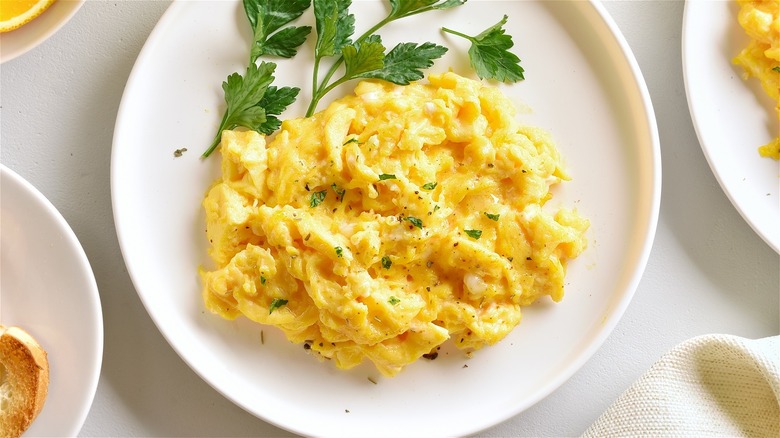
[{"x": 15, "y": 13}]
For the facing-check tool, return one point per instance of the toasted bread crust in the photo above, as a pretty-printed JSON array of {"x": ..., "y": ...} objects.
[{"x": 24, "y": 380}]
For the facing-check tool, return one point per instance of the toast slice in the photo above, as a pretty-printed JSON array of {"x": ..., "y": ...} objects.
[{"x": 24, "y": 380}]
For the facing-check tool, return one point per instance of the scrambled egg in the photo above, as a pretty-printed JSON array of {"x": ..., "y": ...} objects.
[
  {"x": 761, "y": 58},
  {"x": 392, "y": 221}
]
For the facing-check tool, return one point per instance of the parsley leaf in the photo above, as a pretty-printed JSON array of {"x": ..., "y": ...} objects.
[
  {"x": 334, "y": 24},
  {"x": 405, "y": 63},
  {"x": 492, "y": 216},
  {"x": 242, "y": 95},
  {"x": 368, "y": 60},
  {"x": 393, "y": 300},
  {"x": 386, "y": 262},
  {"x": 362, "y": 58},
  {"x": 285, "y": 43},
  {"x": 414, "y": 221},
  {"x": 317, "y": 198},
  {"x": 275, "y": 304},
  {"x": 268, "y": 16},
  {"x": 430, "y": 185},
  {"x": 275, "y": 101},
  {"x": 339, "y": 251},
  {"x": 262, "y": 279},
  {"x": 474, "y": 234},
  {"x": 385, "y": 176},
  {"x": 776, "y": 68},
  {"x": 489, "y": 54},
  {"x": 405, "y": 8}
]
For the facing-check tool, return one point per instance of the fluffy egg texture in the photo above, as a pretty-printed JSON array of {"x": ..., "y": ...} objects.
[{"x": 396, "y": 219}]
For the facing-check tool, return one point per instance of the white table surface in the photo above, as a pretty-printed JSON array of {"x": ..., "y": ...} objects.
[{"x": 708, "y": 272}]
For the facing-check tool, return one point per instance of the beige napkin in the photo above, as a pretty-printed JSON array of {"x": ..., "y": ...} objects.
[{"x": 713, "y": 385}]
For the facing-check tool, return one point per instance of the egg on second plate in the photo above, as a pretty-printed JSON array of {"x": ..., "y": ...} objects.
[
  {"x": 396, "y": 219},
  {"x": 761, "y": 58}
]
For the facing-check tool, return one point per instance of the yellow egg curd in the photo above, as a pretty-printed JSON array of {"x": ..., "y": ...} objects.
[{"x": 396, "y": 219}]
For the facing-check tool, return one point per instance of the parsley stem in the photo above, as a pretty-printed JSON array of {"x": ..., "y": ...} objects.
[
  {"x": 217, "y": 138},
  {"x": 314, "y": 87},
  {"x": 454, "y": 32},
  {"x": 360, "y": 39},
  {"x": 319, "y": 91}
]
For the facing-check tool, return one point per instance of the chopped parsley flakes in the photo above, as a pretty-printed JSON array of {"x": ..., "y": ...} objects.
[
  {"x": 474, "y": 234},
  {"x": 386, "y": 262},
  {"x": 339, "y": 191},
  {"x": 492, "y": 216},
  {"x": 385, "y": 176},
  {"x": 430, "y": 185},
  {"x": 317, "y": 198},
  {"x": 414, "y": 221},
  {"x": 393, "y": 300},
  {"x": 275, "y": 304}
]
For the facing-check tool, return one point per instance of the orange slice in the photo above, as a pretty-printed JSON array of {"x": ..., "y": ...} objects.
[{"x": 15, "y": 13}]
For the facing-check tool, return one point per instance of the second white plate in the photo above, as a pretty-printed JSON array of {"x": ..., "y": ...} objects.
[
  {"x": 732, "y": 116},
  {"x": 48, "y": 289}
]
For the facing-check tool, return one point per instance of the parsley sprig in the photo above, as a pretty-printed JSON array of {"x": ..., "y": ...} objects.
[
  {"x": 366, "y": 57},
  {"x": 489, "y": 54},
  {"x": 252, "y": 102}
]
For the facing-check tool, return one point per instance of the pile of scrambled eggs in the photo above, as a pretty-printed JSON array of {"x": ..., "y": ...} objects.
[
  {"x": 761, "y": 58},
  {"x": 392, "y": 221}
]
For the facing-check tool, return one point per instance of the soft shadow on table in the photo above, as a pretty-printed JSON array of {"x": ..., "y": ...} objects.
[{"x": 142, "y": 377}]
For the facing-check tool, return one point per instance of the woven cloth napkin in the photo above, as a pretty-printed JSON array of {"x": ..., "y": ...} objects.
[{"x": 712, "y": 385}]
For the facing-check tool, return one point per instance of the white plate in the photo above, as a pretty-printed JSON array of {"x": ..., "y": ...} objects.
[
  {"x": 583, "y": 85},
  {"x": 47, "y": 288},
  {"x": 19, "y": 41},
  {"x": 732, "y": 117}
]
